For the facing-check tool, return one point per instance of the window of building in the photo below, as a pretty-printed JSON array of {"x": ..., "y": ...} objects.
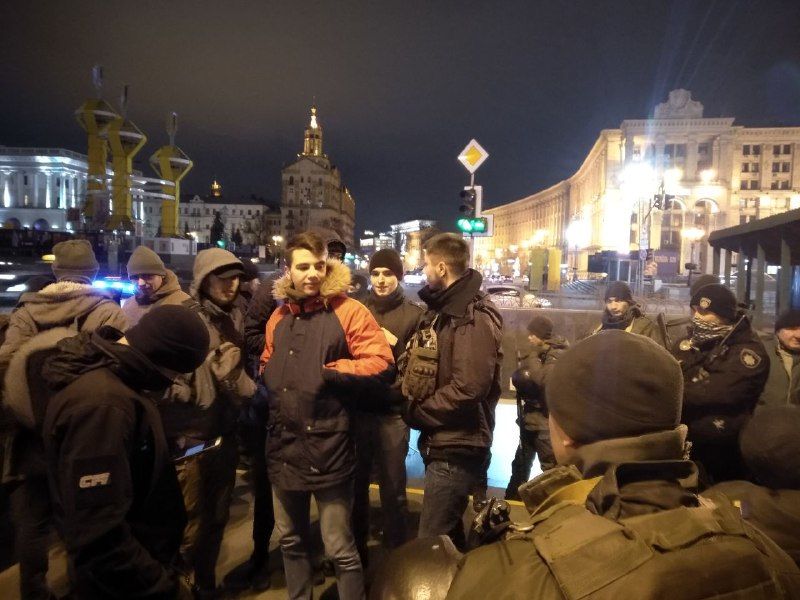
[
  {"x": 776, "y": 150},
  {"x": 745, "y": 219},
  {"x": 58, "y": 182},
  {"x": 703, "y": 149},
  {"x": 785, "y": 167},
  {"x": 680, "y": 150},
  {"x": 66, "y": 183},
  {"x": 745, "y": 167},
  {"x": 746, "y": 149},
  {"x": 291, "y": 180},
  {"x": 755, "y": 167},
  {"x": 208, "y": 211},
  {"x": 757, "y": 149},
  {"x": 776, "y": 167},
  {"x": 785, "y": 184},
  {"x": 787, "y": 148},
  {"x": 669, "y": 150},
  {"x": 774, "y": 185},
  {"x": 25, "y": 180}
]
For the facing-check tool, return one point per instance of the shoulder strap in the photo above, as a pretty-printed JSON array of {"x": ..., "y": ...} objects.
[{"x": 152, "y": 419}]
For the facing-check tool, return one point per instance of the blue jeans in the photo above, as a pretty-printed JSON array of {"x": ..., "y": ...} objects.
[
  {"x": 292, "y": 521},
  {"x": 447, "y": 488}
]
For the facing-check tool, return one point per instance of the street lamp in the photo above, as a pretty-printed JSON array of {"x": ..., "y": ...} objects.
[
  {"x": 692, "y": 234},
  {"x": 277, "y": 240}
]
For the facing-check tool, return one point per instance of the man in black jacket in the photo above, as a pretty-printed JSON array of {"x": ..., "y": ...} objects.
[
  {"x": 382, "y": 437},
  {"x": 725, "y": 367},
  {"x": 114, "y": 488},
  {"x": 456, "y": 421},
  {"x": 529, "y": 380}
]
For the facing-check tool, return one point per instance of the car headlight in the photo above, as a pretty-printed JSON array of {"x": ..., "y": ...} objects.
[{"x": 20, "y": 287}]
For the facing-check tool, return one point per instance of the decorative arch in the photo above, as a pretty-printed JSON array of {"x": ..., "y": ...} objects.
[
  {"x": 12, "y": 223},
  {"x": 41, "y": 225}
]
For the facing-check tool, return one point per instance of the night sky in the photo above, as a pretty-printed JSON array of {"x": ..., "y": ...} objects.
[{"x": 401, "y": 86}]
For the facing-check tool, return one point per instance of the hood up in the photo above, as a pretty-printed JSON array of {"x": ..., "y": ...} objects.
[
  {"x": 60, "y": 303},
  {"x": 205, "y": 263},
  {"x": 336, "y": 283}
]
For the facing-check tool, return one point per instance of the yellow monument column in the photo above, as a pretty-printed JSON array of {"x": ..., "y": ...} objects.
[
  {"x": 172, "y": 165},
  {"x": 93, "y": 116},
  {"x": 125, "y": 140}
]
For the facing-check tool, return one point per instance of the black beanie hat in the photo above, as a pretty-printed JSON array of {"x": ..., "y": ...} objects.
[
  {"x": 541, "y": 327},
  {"x": 619, "y": 290},
  {"x": 788, "y": 319},
  {"x": 716, "y": 298},
  {"x": 387, "y": 258},
  {"x": 702, "y": 281},
  {"x": 615, "y": 384},
  {"x": 171, "y": 336},
  {"x": 770, "y": 446}
]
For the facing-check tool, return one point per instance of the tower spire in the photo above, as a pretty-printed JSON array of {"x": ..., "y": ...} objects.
[{"x": 312, "y": 141}]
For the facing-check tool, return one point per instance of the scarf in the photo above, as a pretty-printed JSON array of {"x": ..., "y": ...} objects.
[{"x": 704, "y": 332}]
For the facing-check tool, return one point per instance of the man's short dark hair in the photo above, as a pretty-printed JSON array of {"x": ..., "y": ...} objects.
[
  {"x": 452, "y": 249},
  {"x": 305, "y": 240}
]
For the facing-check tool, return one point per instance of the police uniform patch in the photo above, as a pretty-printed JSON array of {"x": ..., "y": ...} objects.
[
  {"x": 749, "y": 358},
  {"x": 705, "y": 303},
  {"x": 685, "y": 345}
]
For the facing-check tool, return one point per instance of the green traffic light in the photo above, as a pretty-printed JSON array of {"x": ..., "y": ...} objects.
[{"x": 474, "y": 225}]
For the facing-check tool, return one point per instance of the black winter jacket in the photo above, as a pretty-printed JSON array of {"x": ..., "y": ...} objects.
[
  {"x": 115, "y": 492},
  {"x": 460, "y": 415}
]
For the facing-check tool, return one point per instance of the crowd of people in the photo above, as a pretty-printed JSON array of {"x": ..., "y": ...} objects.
[{"x": 127, "y": 425}]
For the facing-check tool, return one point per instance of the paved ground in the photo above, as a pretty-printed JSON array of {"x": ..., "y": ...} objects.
[{"x": 237, "y": 544}]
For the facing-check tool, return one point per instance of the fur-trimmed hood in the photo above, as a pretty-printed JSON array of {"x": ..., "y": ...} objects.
[
  {"x": 17, "y": 393},
  {"x": 336, "y": 283},
  {"x": 62, "y": 302}
]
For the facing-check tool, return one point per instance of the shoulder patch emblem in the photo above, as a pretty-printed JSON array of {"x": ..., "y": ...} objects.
[
  {"x": 749, "y": 358},
  {"x": 685, "y": 345},
  {"x": 705, "y": 303}
]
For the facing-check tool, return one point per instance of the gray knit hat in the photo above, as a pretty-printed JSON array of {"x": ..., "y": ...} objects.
[
  {"x": 144, "y": 261},
  {"x": 75, "y": 260}
]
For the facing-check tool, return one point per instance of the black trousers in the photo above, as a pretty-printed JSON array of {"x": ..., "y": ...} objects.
[
  {"x": 254, "y": 439},
  {"x": 531, "y": 443},
  {"x": 381, "y": 440},
  {"x": 32, "y": 515}
]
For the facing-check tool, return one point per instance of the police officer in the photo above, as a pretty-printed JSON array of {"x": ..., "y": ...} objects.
[
  {"x": 529, "y": 379},
  {"x": 725, "y": 367}
]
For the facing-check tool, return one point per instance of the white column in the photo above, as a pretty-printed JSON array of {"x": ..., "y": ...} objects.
[
  {"x": 20, "y": 190},
  {"x": 33, "y": 179},
  {"x": 48, "y": 190},
  {"x": 5, "y": 198}
]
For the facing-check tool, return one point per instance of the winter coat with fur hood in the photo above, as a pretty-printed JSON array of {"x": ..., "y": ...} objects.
[
  {"x": 170, "y": 292},
  {"x": 60, "y": 304},
  {"x": 319, "y": 351}
]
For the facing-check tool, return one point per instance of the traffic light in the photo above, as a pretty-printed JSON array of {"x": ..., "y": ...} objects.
[
  {"x": 658, "y": 202},
  {"x": 468, "y": 201},
  {"x": 473, "y": 225}
]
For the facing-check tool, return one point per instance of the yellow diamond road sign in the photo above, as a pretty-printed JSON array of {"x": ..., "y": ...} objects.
[{"x": 473, "y": 156}]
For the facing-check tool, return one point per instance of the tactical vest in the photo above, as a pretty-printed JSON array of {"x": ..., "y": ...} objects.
[{"x": 686, "y": 553}]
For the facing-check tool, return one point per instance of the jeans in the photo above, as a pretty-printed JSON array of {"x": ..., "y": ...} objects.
[
  {"x": 531, "y": 443},
  {"x": 292, "y": 520},
  {"x": 207, "y": 484},
  {"x": 448, "y": 485},
  {"x": 381, "y": 439}
]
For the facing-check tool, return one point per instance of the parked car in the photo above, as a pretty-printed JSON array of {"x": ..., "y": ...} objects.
[
  {"x": 415, "y": 277},
  {"x": 509, "y": 296}
]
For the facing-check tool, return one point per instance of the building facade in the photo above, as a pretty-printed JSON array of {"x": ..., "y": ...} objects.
[
  {"x": 713, "y": 174},
  {"x": 313, "y": 195},
  {"x": 255, "y": 219},
  {"x": 38, "y": 185}
]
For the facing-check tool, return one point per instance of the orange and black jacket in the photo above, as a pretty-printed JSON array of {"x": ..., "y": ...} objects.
[{"x": 319, "y": 352}]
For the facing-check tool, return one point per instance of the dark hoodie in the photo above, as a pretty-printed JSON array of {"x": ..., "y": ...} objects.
[
  {"x": 115, "y": 493},
  {"x": 459, "y": 417}
]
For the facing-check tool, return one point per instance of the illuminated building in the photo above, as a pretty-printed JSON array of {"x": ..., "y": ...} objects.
[
  {"x": 720, "y": 174},
  {"x": 312, "y": 193}
]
